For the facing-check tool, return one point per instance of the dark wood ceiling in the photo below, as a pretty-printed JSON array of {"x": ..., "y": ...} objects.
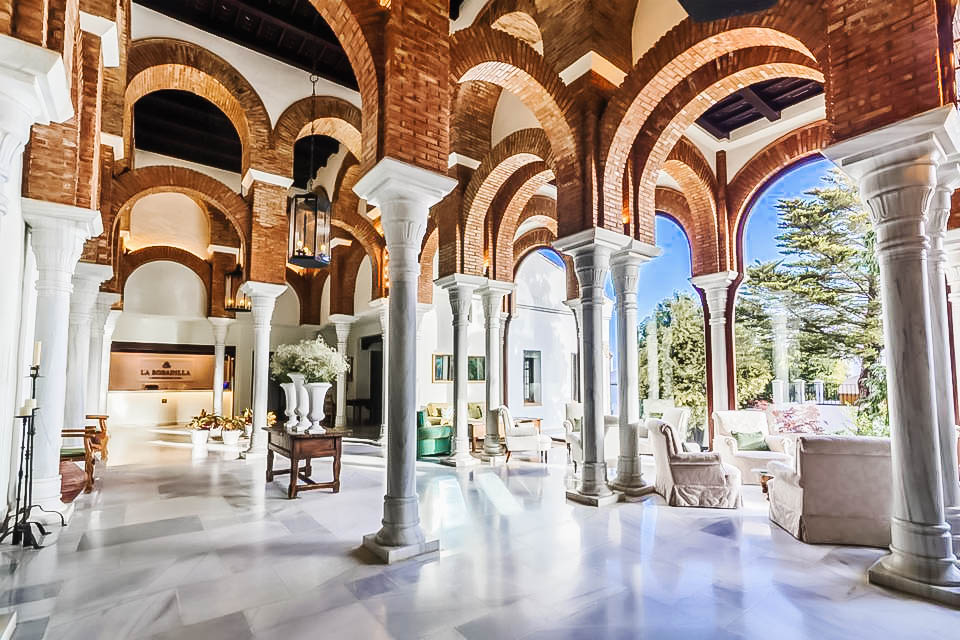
[
  {"x": 765, "y": 99},
  {"x": 291, "y": 31},
  {"x": 707, "y": 10}
]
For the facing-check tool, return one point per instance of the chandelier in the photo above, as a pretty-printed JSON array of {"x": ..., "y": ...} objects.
[{"x": 309, "y": 213}]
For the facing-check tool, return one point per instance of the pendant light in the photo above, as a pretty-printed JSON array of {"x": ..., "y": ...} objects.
[{"x": 234, "y": 299}]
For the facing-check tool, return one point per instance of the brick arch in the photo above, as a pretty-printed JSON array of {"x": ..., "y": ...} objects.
[
  {"x": 428, "y": 252},
  {"x": 703, "y": 207},
  {"x": 517, "y": 150},
  {"x": 520, "y": 25},
  {"x": 359, "y": 26},
  {"x": 345, "y": 217},
  {"x": 539, "y": 206},
  {"x": 131, "y": 186},
  {"x": 765, "y": 164},
  {"x": 309, "y": 287},
  {"x": 689, "y": 154},
  {"x": 510, "y": 203},
  {"x": 529, "y": 242},
  {"x": 133, "y": 260},
  {"x": 344, "y": 283},
  {"x": 673, "y": 204},
  {"x": 471, "y": 117},
  {"x": 499, "y": 8},
  {"x": 688, "y": 100},
  {"x": 165, "y": 63},
  {"x": 482, "y": 53},
  {"x": 335, "y": 117},
  {"x": 796, "y": 25}
]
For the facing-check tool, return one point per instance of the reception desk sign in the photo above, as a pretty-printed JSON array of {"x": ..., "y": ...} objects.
[{"x": 159, "y": 371}]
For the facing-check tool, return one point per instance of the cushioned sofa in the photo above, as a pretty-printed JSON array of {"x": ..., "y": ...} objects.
[
  {"x": 733, "y": 430},
  {"x": 433, "y": 440}
]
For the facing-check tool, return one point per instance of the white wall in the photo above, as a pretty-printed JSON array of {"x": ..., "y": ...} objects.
[
  {"x": 652, "y": 19},
  {"x": 364, "y": 289},
  {"x": 150, "y": 159},
  {"x": 169, "y": 219},
  {"x": 166, "y": 289},
  {"x": 509, "y": 116},
  {"x": 278, "y": 84}
]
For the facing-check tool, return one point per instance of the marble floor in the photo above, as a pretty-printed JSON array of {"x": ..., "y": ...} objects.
[{"x": 185, "y": 544}]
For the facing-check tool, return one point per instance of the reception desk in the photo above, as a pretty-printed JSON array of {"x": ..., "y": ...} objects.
[{"x": 161, "y": 407}]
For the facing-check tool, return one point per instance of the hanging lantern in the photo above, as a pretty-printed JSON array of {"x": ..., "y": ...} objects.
[
  {"x": 309, "y": 216},
  {"x": 234, "y": 299}
]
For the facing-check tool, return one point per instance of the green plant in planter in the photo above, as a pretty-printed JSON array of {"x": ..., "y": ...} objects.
[
  {"x": 235, "y": 423},
  {"x": 317, "y": 361},
  {"x": 246, "y": 417},
  {"x": 204, "y": 422}
]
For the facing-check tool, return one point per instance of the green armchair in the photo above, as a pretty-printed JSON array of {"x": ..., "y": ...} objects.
[{"x": 433, "y": 440}]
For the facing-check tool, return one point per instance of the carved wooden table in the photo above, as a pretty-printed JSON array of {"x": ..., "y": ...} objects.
[{"x": 303, "y": 446}]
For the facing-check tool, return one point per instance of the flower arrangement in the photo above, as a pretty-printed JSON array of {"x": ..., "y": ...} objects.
[
  {"x": 235, "y": 423},
  {"x": 317, "y": 361},
  {"x": 246, "y": 417}
]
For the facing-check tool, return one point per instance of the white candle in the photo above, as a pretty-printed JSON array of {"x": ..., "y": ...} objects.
[
  {"x": 36, "y": 353},
  {"x": 29, "y": 404}
]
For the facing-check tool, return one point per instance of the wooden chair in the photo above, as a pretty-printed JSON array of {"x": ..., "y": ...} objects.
[
  {"x": 102, "y": 437},
  {"x": 84, "y": 453}
]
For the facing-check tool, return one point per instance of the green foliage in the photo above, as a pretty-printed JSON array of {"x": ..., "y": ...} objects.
[
  {"x": 753, "y": 337},
  {"x": 313, "y": 358}
]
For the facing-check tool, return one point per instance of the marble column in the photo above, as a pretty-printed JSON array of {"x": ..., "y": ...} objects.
[
  {"x": 404, "y": 194},
  {"x": 86, "y": 285},
  {"x": 263, "y": 298},
  {"x": 220, "y": 328},
  {"x": 607, "y": 355},
  {"x": 653, "y": 358},
  {"x": 948, "y": 177},
  {"x": 625, "y": 267},
  {"x": 591, "y": 251},
  {"x": 101, "y": 312},
  {"x": 57, "y": 234},
  {"x": 716, "y": 287},
  {"x": 341, "y": 324},
  {"x": 781, "y": 361},
  {"x": 896, "y": 168},
  {"x": 951, "y": 246},
  {"x": 491, "y": 295},
  {"x": 108, "y": 327},
  {"x": 382, "y": 305},
  {"x": 422, "y": 309},
  {"x": 460, "y": 290},
  {"x": 577, "y": 309}
]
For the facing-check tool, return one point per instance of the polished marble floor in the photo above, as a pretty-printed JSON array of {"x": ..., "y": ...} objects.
[{"x": 184, "y": 544}]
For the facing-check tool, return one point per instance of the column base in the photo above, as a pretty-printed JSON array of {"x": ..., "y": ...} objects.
[
  {"x": 952, "y": 516},
  {"x": 880, "y": 574},
  {"x": 593, "y": 500},
  {"x": 494, "y": 460},
  {"x": 460, "y": 460},
  {"x": 52, "y": 510},
  {"x": 632, "y": 489},
  {"x": 391, "y": 554}
]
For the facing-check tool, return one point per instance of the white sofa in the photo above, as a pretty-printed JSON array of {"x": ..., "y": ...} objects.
[
  {"x": 688, "y": 479},
  {"x": 726, "y": 423},
  {"x": 838, "y": 492}
]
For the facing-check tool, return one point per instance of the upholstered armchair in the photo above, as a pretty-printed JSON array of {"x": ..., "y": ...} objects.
[
  {"x": 679, "y": 420},
  {"x": 691, "y": 479},
  {"x": 435, "y": 413},
  {"x": 838, "y": 492},
  {"x": 611, "y": 439},
  {"x": 523, "y": 437},
  {"x": 728, "y": 423},
  {"x": 571, "y": 432}
]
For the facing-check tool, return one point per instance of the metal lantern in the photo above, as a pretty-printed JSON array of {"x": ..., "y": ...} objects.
[
  {"x": 309, "y": 215},
  {"x": 234, "y": 299}
]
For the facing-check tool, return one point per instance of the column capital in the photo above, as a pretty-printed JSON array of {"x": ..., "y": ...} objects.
[
  {"x": 255, "y": 175},
  {"x": 492, "y": 294},
  {"x": 341, "y": 324},
  {"x": 590, "y": 239},
  {"x": 263, "y": 298},
  {"x": 715, "y": 287},
  {"x": 87, "y": 278},
  {"x": 460, "y": 282},
  {"x": 391, "y": 180},
  {"x": 220, "y": 328},
  {"x": 262, "y": 289},
  {"x": 57, "y": 234},
  {"x": 34, "y": 77}
]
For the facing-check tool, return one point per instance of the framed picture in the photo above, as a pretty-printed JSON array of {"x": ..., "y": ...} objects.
[
  {"x": 476, "y": 368},
  {"x": 442, "y": 367}
]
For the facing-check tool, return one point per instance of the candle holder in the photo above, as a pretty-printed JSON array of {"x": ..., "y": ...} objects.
[{"x": 22, "y": 531}]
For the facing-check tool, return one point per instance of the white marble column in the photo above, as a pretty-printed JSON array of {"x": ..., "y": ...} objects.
[
  {"x": 460, "y": 290},
  {"x": 607, "y": 356},
  {"x": 341, "y": 324},
  {"x": 108, "y": 327},
  {"x": 577, "y": 309},
  {"x": 781, "y": 361},
  {"x": 404, "y": 194},
  {"x": 220, "y": 328},
  {"x": 491, "y": 295},
  {"x": 57, "y": 234},
  {"x": 101, "y": 312},
  {"x": 591, "y": 251},
  {"x": 263, "y": 298},
  {"x": 422, "y": 309},
  {"x": 948, "y": 176},
  {"x": 896, "y": 167},
  {"x": 625, "y": 267},
  {"x": 653, "y": 358},
  {"x": 382, "y": 305},
  {"x": 715, "y": 287},
  {"x": 86, "y": 285}
]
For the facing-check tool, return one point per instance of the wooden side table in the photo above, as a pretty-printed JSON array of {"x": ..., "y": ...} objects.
[{"x": 303, "y": 446}]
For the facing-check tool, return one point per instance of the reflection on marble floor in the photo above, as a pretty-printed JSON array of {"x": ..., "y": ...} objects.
[{"x": 196, "y": 547}]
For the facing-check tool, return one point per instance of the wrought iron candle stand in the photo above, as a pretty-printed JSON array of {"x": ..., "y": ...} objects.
[{"x": 22, "y": 531}]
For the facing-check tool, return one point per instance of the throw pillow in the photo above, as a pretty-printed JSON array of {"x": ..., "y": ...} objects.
[
  {"x": 750, "y": 441},
  {"x": 475, "y": 412}
]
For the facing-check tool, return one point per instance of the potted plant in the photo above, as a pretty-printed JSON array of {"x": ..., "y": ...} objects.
[
  {"x": 200, "y": 426},
  {"x": 284, "y": 367},
  {"x": 319, "y": 364},
  {"x": 232, "y": 430}
]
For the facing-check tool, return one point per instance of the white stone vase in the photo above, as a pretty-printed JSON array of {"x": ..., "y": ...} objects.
[
  {"x": 290, "y": 404},
  {"x": 303, "y": 401},
  {"x": 199, "y": 436},
  {"x": 318, "y": 393},
  {"x": 231, "y": 437}
]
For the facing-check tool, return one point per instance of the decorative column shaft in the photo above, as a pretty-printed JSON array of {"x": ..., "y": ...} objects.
[
  {"x": 781, "y": 361},
  {"x": 460, "y": 290},
  {"x": 951, "y": 245},
  {"x": 95, "y": 372},
  {"x": 896, "y": 167},
  {"x": 341, "y": 324},
  {"x": 716, "y": 287},
  {"x": 948, "y": 176},
  {"x": 591, "y": 251},
  {"x": 404, "y": 194},
  {"x": 86, "y": 286},
  {"x": 57, "y": 234},
  {"x": 492, "y": 294},
  {"x": 577, "y": 309},
  {"x": 607, "y": 356},
  {"x": 625, "y": 267},
  {"x": 383, "y": 316},
  {"x": 108, "y": 327},
  {"x": 263, "y": 298},
  {"x": 653, "y": 358},
  {"x": 220, "y": 328}
]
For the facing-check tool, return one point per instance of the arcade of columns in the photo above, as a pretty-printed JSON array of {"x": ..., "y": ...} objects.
[{"x": 421, "y": 154}]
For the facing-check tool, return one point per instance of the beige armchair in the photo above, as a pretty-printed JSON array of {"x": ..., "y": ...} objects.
[
  {"x": 726, "y": 423},
  {"x": 438, "y": 413},
  {"x": 573, "y": 435},
  {"x": 687, "y": 479},
  {"x": 679, "y": 420},
  {"x": 839, "y": 492},
  {"x": 523, "y": 437}
]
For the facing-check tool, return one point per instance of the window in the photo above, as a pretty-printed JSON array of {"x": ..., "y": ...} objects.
[
  {"x": 531, "y": 377},
  {"x": 476, "y": 368},
  {"x": 442, "y": 368}
]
